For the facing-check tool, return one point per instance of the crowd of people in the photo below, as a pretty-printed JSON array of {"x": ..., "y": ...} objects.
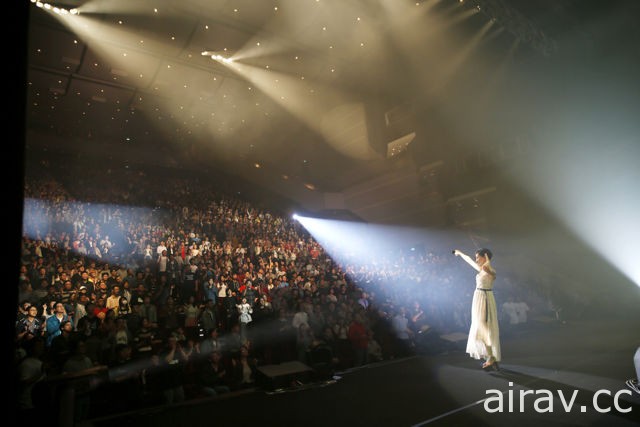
[{"x": 164, "y": 289}]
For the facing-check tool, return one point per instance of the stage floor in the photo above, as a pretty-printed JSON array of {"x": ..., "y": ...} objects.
[{"x": 557, "y": 364}]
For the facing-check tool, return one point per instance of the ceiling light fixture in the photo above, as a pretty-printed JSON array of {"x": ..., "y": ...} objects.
[
  {"x": 216, "y": 56},
  {"x": 55, "y": 9}
]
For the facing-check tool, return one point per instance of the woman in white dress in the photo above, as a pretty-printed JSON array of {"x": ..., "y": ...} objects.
[
  {"x": 484, "y": 333},
  {"x": 245, "y": 310}
]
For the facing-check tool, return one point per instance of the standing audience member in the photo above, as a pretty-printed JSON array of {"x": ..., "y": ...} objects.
[
  {"x": 79, "y": 363},
  {"x": 30, "y": 372},
  {"x": 55, "y": 321},
  {"x": 213, "y": 377},
  {"x": 29, "y": 326},
  {"x": 61, "y": 345},
  {"x": 403, "y": 332},
  {"x": 245, "y": 311},
  {"x": 191, "y": 316},
  {"x": 113, "y": 301},
  {"x": 304, "y": 341},
  {"x": 124, "y": 389},
  {"x": 359, "y": 339},
  {"x": 149, "y": 311},
  {"x": 208, "y": 318},
  {"x": 244, "y": 369},
  {"x": 173, "y": 365}
]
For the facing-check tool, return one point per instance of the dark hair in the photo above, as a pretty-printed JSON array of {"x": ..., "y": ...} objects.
[
  {"x": 63, "y": 323},
  {"x": 484, "y": 252},
  {"x": 120, "y": 347}
]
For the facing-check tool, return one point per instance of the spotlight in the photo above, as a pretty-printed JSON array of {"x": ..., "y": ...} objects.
[
  {"x": 295, "y": 216},
  {"x": 217, "y": 57}
]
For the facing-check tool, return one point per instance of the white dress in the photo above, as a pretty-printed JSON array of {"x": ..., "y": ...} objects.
[
  {"x": 484, "y": 334},
  {"x": 245, "y": 312}
]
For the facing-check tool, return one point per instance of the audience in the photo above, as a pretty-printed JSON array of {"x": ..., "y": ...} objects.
[{"x": 154, "y": 273}]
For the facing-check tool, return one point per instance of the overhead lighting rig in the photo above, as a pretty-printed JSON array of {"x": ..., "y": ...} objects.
[
  {"x": 523, "y": 28},
  {"x": 55, "y": 9}
]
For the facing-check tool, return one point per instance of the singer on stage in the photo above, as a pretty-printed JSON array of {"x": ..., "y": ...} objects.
[{"x": 484, "y": 334}]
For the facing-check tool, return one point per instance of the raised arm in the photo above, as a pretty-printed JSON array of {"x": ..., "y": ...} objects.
[{"x": 467, "y": 259}]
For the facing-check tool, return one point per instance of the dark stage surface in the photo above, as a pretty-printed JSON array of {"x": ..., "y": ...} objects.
[{"x": 447, "y": 389}]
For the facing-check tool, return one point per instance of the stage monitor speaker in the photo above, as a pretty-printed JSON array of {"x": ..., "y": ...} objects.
[{"x": 283, "y": 375}]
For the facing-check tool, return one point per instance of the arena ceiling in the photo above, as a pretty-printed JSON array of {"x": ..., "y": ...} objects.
[{"x": 299, "y": 96}]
